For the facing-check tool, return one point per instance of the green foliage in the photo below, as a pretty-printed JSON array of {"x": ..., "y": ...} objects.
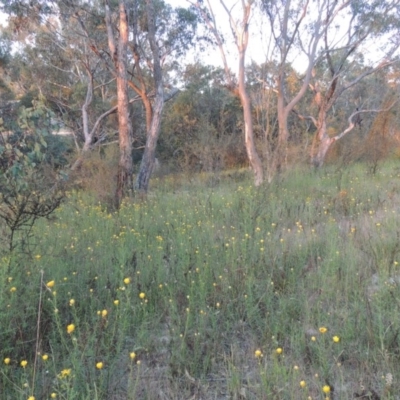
[
  {"x": 202, "y": 127},
  {"x": 196, "y": 280},
  {"x": 28, "y": 187}
]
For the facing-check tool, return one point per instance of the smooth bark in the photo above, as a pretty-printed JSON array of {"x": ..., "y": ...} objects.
[
  {"x": 120, "y": 59},
  {"x": 147, "y": 163},
  {"x": 240, "y": 31}
]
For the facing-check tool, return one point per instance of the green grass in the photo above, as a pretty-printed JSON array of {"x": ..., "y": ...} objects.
[{"x": 217, "y": 270}]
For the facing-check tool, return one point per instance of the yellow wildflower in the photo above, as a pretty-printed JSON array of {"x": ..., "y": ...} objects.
[
  {"x": 104, "y": 313},
  {"x": 336, "y": 339},
  {"x": 132, "y": 355},
  {"x": 326, "y": 389},
  {"x": 7, "y": 361},
  {"x": 70, "y": 328},
  {"x": 258, "y": 353},
  {"x": 303, "y": 384},
  {"x": 142, "y": 295},
  {"x": 99, "y": 365},
  {"x": 50, "y": 284},
  {"x": 45, "y": 357},
  {"x": 323, "y": 329},
  {"x": 279, "y": 350},
  {"x": 127, "y": 281},
  {"x": 64, "y": 373},
  {"x": 24, "y": 363}
]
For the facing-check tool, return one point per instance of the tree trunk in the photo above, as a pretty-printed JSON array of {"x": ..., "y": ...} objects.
[
  {"x": 321, "y": 145},
  {"x": 147, "y": 164},
  {"x": 124, "y": 177},
  {"x": 149, "y": 111},
  {"x": 280, "y": 154},
  {"x": 321, "y": 142},
  {"x": 85, "y": 123},
  {"x": 252, "y": 155},
  {"x": 241, "y": 34}
]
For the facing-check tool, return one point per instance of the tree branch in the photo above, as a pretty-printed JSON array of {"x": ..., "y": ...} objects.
[{"x": 351, "y": 125}]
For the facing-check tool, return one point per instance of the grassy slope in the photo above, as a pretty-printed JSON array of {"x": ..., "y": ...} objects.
[{"x": 216, "y": 272}]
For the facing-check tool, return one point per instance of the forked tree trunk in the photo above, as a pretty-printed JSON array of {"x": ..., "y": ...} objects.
[
  {"x": 322, "y": 141},
  {"x": 147, "y": 164},
  {"x": 321, "y": 145}
]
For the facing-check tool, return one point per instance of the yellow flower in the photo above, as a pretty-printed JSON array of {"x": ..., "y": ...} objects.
[
  {"x": 7, "y": 361},
  {"x": 72, "y": 302},
  {"x": 326, "y": 389},
  {"x": 142, "y": 295},
  {"x": 313, "y": 338},
  {"x": 45, "y": 357},
  {"x": 70, "y": 328},
  {"x": 50, "y": 284},
  {"x": 116, "y": 302},
  {"x": 336, "y": 339},
  {"x": 258, "y": 353},
  {"x": 127, "y": 281},
  {"x": 104, "y": 313},
  {"x": 24, "y": 363},
  {"x": 99, "y": 365},
  {"x": 132, "y": 355},
  {"x": 279, "y": 350},
  {"x": 303, "y": 384},
  {"x": 13, "y": 289},
  {"x": 31, "y": 398},
  {"x": 64, "y": 373},
  {"x": 323, "y": 329},
  {"x": 38, "y": 256},
  {"x": 53, "y": 395}
]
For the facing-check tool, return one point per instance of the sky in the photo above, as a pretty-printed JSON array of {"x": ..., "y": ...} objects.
[
  {"x": 260, "y": 41},
  {"x": 257, "y": 48},
  {"x": 260, "y": 38}
]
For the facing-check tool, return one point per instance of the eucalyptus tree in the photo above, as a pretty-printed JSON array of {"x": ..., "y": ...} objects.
[
  {"x": 305, "y": 32},
  {"x": 297, "y": 28},
  {"x": 237, "y": 84},
  {"x": 54, "y": 58},
  {"x": 116, "y": 39},
  {"x": 168, "y": 34},
  {"x": 146, "y": 166},
  {"x": 157, "y": 35},
  {"x": 370, "y": 24}
]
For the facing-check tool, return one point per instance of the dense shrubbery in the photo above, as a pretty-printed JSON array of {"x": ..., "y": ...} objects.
[{"x": 30, "y": 182}]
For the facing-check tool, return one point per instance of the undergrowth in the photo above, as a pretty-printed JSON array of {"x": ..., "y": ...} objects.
[{"x": 212, "y": 289}]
